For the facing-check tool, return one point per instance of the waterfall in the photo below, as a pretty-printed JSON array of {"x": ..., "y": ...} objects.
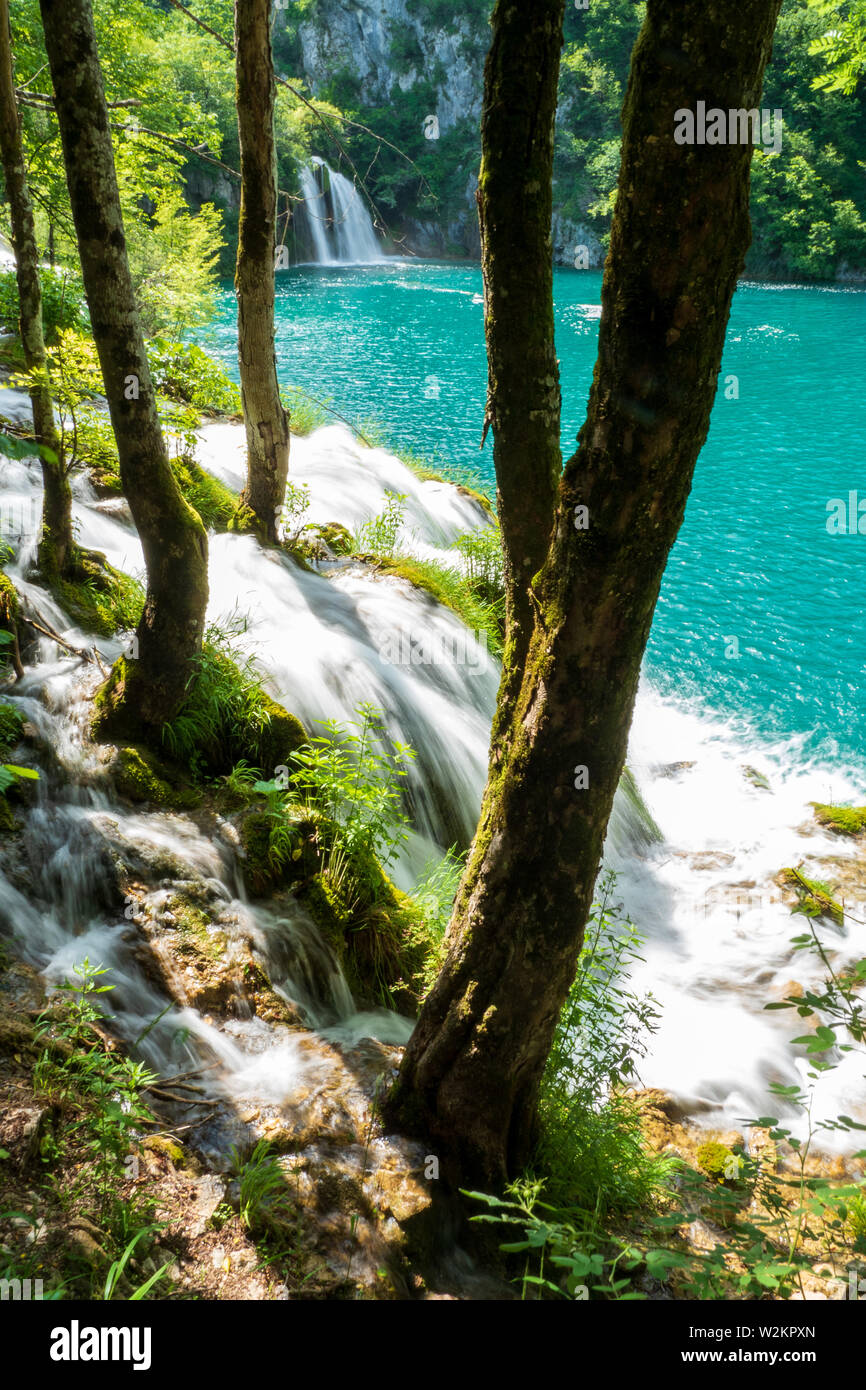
[
  {"x": 696, "y": 845},
  {"x": 332, "y": 225}
]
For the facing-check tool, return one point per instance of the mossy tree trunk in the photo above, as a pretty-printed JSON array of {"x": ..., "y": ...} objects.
[
  {"x": 515, "y": 206},
  {"x": 143, "y": 692},
  {"x": 471, "y": 1073},
  {"x": 56, "y": 549},
  {"x": 265, "y": 420}
]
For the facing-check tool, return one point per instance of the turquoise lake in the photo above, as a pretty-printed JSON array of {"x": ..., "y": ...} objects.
[{"x": 402, "y": 343}]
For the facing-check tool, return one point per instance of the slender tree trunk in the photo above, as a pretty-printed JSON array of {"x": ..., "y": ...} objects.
[
  {"x": 515, "y": 207},
  {"x": 140, "y": 693},
  {"x": 471, "y": 1073},
  {"x": 56, "y": 547},
  {"x": 266, "y": 421}
]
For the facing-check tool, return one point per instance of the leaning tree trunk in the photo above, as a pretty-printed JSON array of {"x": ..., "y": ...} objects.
[
  {"x": 265, "y": 420},
  {"x": 471, "y": 1073},
  {"x": 56, "y": 548},
  {"x": 142, "y": 693}
]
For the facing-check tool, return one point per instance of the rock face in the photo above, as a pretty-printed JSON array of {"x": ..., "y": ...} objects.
[
  {"x": 358, "y": 36},
  {"x": 406, "y": 46}
]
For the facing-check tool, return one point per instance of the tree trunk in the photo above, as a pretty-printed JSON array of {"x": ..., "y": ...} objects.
[
  {"x": 265, "y": 420},
  {"x": 515, "y": 206},
  {"x": 56, "y": 548},
  {"x": 471, "y": 1073},
  {"x": 141, "y": 694}
]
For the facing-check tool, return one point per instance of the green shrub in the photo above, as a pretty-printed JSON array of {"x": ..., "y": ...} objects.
[
  {"x": 63, "y": 302},
  {"x": 188, "y": 374}
]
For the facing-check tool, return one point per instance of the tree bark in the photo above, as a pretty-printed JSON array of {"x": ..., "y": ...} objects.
[
  {"x": 142, "y": 693},
  {"x": 265, "y": 420},
  {"x": 471, "y": 1073},
  {"x": 515, "y": 207},
  {"x": 56, "y": 548}
]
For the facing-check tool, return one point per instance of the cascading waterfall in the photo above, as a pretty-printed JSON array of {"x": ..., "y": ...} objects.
[
  {"x": 332, "y": 225},
  {"x": 718, "y": 933}
]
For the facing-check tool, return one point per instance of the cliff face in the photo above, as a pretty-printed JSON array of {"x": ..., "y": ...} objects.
[
  {"x": 413, "y": 60},
  {"x": 388, "y": 43}
]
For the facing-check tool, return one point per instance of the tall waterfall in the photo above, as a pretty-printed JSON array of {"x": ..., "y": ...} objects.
[{"x": 332, "y": 226}]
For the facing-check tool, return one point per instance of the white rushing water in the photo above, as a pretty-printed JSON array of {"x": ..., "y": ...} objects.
[
  {"x": 334, "y": 219},
  {"x": 718, "y": 931}
]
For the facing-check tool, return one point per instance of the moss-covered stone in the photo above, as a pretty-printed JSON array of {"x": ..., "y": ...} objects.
[
  {"x": 98, "y": 597},
  {"x": 336, "y": 537},
  {"x": 168, "y": 1148},
  {"x": 139, "y": 776},
  {"x": 280, "y": 736},
  {"x": 718, "y": 1161},
  {"x": 816, "y": 899},
  {"x": 845, "y": 820}
]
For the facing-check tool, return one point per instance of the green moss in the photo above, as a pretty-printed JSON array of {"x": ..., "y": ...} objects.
[
  {"x": 8, "y": 599},
  {"x": 336, "y": 537},
  {"x": 244, "y": 520},
  {"x": 7, "y": 817},
  {"x": 378, "y": 935},
  {"x": 213, "y": 501},
  {"x": 263, "y": 868},
  {"x": 846, "y": 820},
  {"x": 193, "y": 928},
  {"x": 717, "y": 1161},
  {"x": 272, "y": 745},
  {"x": 161, "y": 1144},
  {"x": 138, "y": 776},
  {"x": 816, "y": 898},
  {"x": 98, "y": 597},
  {"x": 109, "y": 702}
]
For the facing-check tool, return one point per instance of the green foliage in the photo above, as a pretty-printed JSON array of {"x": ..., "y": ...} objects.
[
  {"x": 378, "y": 535},
  {"x": 226, "y": 713},
  {"x": 11, "y": 721},
  {"x": 306, "y": 413},
  {"x": 352, "y": 775},
  {"x": 567, "y": 1253},
  {"x": 591, "y": 1149},
  {"x": 115, "y": 1273},
  {"x": 295, "y": 508},
  {"x": 264, "y": 1199},
  {"x": 451, "y": 588},
  {"x": 98, "y": 597},
  {"x": 63, "y": 304},
  {"x": 434, "y": 895},
  {"x": 841, "y": 46},
  {"x": 76, "y": 1065},
  {"x": 188, "y": 374}
]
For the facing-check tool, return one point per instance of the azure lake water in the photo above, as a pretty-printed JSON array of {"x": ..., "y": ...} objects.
[{"x": 754, "y": 569}]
